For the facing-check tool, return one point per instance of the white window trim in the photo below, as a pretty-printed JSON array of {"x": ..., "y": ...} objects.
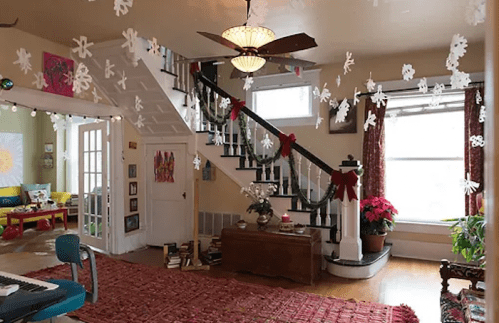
[
  {"x": 423, "y": 227},
  {"x": 285, "y": 80},
  {"x": 402, "y": 84}
]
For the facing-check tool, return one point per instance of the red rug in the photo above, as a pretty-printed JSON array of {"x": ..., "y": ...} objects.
[{"x": 138, "y": 293}]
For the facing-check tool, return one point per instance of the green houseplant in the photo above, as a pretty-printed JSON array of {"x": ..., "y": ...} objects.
[
  {"x": 468, "y": 238},
  {"x": 377, "y": 217}
]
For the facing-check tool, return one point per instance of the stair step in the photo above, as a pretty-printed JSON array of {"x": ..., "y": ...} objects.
[
  {"x": 266, "y": 182},
  {"x": 248, "y": 168},
  {"x": 165, "y": 71},
  {"x": 300, "y": 211},
  {"x": 202, "y": 131},
  {"x": 180, "y": 90},
  {"x": 320, "y": 226},
  {"x": 283, "y": 196},
  {"x": 238, "y": 156}
]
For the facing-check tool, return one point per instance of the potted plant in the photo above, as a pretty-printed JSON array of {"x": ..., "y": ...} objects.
[
  {"x": 261, "y": 202},
  {"x": 468, "y": 238},
  {"x": 376, "y": 219}
]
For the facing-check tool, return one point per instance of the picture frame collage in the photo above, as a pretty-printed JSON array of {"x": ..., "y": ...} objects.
[{"x": 132, "y": 221}]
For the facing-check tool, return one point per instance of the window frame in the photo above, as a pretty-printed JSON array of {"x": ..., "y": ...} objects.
[{"x": 288, "y": 80}]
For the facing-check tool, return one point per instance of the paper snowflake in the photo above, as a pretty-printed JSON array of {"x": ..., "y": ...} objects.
[
  {"x": 408, "y": 72},
  {"x": 436, "y": 96},
  {"x": 458, "y": 45},
  {"x": 342, "y": 111},
  {"x": 248, "y": 132},
  {"x": 65, "y": 155},
  {"x": 438, "y": 89},
  {"x": 218, "y": 138},
  {"x": 247, "y": 83},
  {"x": 469, "y": 185},
  {"x": 131, "y": 39},
  {"x": 338, "y": 81},
  {"x": 451, "y": 62},
  {"x": 224, "y": 103},
  {"x": 69, "y": 78},
  {"x": 54, "y": 117},
  {"x": 459, "y": 80},
  {"x": 318, "y": 121},
  {"x": 475, "y": 12},
  {"x": 356, "y": 96},
  {"x": 140, "y": 122},
  {"x": 154, "y": 50},
  {"x": 375, "y": 3},
  {"x": 324, "y": 95},
  {"x": 121, "y": 6},
  {"x": 97, "y": 98},
  {"x": 59, "y": 125},
  {"x": 138, "y": 104},
  {"x": 478, "y": 97},
  {"x": 23, "y": 60},
  {"x": 379, "y": 97},
  {"x": 197, "y": 162},
  {"x": 257, "y": 14},
  {"x": 82, "y": 79},
  {"x": 266, "y": 142},
  {"x": 107, "y": 70},
  {"x": 370, "y": 121},
  {"x": 40, "y": 82},
  {"x": 482, "y": 115},
  {"x": 423, "y": 85},
  {"x": 370, "y": 85},
  {"x": 83, "y": 46},
  {"x": 334, "y": 103},
  {"x": 477, "y": 141},
  {"x": 122, "y": 81},
  {"x": 349, "y": 61}
]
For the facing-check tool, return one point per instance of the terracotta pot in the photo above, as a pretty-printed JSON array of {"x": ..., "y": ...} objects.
[{"x": 373, "y": 243}]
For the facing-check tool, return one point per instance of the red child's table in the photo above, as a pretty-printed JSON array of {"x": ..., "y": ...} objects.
[{"x": 25, "y": 215}]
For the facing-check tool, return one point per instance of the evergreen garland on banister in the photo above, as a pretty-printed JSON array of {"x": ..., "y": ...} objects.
[
  {"x": 208, "y": 112},
  {"x": 251, "y": 149}
]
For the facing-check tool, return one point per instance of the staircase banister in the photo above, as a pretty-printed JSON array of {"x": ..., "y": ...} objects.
[{"x": 265, "y": 124}]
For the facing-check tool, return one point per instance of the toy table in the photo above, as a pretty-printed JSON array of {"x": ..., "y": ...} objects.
[{"x": 25, "y": 215}]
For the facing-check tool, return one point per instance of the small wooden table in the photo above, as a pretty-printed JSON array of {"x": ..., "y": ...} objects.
[{"x": 25, "y": 215}]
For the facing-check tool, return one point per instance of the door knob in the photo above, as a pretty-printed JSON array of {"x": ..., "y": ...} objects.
[{"x": 184, "y": 195}]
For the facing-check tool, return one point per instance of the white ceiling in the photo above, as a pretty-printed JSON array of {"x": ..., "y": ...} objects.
[{"x": 337, "y": 25}]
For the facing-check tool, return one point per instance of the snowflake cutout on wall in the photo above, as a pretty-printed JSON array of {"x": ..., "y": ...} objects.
[
  {"x": 266, "y": 142},
  {"x": 342, "y": 111},
  {"x": 107, "y": 70},
  {"x": 324, "y": 95},
  {"x": 436, "y": 95},
  {"x": 197, "y": 162},
  {"x": 349, "y": 61},
  {"x": 59, "y": 125},
  {"x": 379, "y": 97},
  {"x": 408, "y": 72},
  {"x": 482, "y": 115},
  {"x": 451, "y": 62},
  {"x": 82, "y": 48},
  {"x": 138, "y": 104},
  {"x": 131, "y": 39},
  {"x": 475, "y": 12},
  {"x": 140, "y": 122},
  {"x": 247, "y": 83},
  {"x": 257, "y": 14},
  {"x": 478, "y": 97},
  {"x": 248, "y": 132},
  {"x": 224, "y": 103},
  {"x": 477, "y": 141},
  {"x": 423, "y": 85},
  {"x": 23, "y": 60},
  {"x": 356, "y": 96},
  {"x": 370, "y": 121},
  {"x": 469, "y": 185},
  {"x": 438, "y": 89},
  {"x": 459, "y": 80},
  {"x": 458, "y": 45},
  {"x": 40, "y": 82},
  {"x": 318, "y": 121},
  {"x": 122, "y": 81},
  {"x": 334, "y": 103},
  {"x": 121, "y": 6},
  {"x": 370, "y": 85},
  {"x": 69, "y": 78},
  {"x": 65, "y": 155},
  {"x": 82, "y": 79},
  {"x": 154, "y": 50},
  {"x": 218, "y": 138},
  {"x": 97, "y": 98},
  {"x": 338, "y": 81}
]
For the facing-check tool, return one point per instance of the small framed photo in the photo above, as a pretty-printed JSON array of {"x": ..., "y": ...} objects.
[
  {"x": 134, "y": 205},
  {"x": 132, "y": 222},
  {"x": 132, "y": 145},
  {"x": 49, "y": 148},
  {"x": 132, "y": 188},
  {"x": 132, "y": 171}
]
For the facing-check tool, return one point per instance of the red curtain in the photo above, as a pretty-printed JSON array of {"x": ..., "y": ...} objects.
[
  {"x": 473, "y": 156},
  {"x": 374, "y": 152}
]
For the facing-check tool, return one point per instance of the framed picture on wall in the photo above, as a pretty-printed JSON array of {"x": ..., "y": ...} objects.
[
  {"x": 132, "y": 222},
  {"x": 134, "y": 205},
  {"x": 132, "y": 171},
  {"x": 132, "y": 188},
  {"x": 49, "y": 147}
]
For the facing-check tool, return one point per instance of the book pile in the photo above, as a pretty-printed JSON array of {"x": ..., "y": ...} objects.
[
  {"x": 213, "y": 256},
  {"x": 186, "y": 253},
  {"x": 173, "y": 261},
  {"x": 171, "y": 255}
]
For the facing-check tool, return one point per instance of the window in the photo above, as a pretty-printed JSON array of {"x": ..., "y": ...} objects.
[
  {"x": 424, "y": 152},
  {"x": 285, "y": 99}
]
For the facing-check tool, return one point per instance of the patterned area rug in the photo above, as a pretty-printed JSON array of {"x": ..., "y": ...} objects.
[{"x": 138, "y": 293}]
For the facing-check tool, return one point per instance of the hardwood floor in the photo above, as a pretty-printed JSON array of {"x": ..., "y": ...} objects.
[{"x": 415, "y": 283}]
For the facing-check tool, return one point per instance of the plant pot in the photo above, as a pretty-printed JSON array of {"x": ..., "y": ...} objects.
[
  {"x": 263, "y": 220},
  {"x": 373, "y": 243}
]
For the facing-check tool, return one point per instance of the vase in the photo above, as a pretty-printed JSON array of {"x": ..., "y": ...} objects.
[
  {"x": 263, "y": 219},
  {"x": 373, "y": 242}
]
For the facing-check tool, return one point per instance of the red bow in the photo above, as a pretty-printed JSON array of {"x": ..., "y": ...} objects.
[
  {"x": 194, "y": 68},
  {"x": 236, "y": 107},
  {"x": 348, "y": 180},
  {"x": 286, "y": 142}
]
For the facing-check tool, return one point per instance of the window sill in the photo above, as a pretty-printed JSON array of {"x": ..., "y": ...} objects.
[{"x": 418, "y": 227}]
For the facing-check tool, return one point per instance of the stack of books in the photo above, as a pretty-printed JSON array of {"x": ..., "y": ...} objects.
[
  {"x": 213, "y": 256},
  {"x": 173, "y": 261},
  {"x": 186, "y": 253}
]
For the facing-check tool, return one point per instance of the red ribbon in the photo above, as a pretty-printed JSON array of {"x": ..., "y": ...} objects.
[
  {"x": 194, "y": 68},
  {"x": 236, "y": 107},
  {"x": 348, "y": 180},
  {"x": 286, "y": 142}
]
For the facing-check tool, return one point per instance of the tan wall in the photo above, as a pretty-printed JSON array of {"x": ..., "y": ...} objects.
[{"x": 46, "y": 134}]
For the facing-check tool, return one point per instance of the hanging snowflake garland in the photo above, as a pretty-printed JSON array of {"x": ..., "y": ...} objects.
[
  {"x": 478, "y": 97},
  {"x": 370, "y": 85},
  {"x": 154, "y": 47},
  {"x": 338, "y": 81},
  {"x": 477, "y": 141},
  {"x": 247, "y": 83},
  {"x": 59, "y": 125},
  {"x": 370, "y": 121},
  {"x": 481, "y": 117},
  {"x": 324, "y": 95},
  {"x": 138, "y": 104},
  {"x": 459, "y": 80},
  {"x": 121, "y": 6},
  {"x": 349, "y": 61},
  {"x": 356, "y": 96},
  {"x": 122, "y": 81},
  {"x": 436, "y": 96},
  {"x": 408, "y": 72},
  {"x": 23, "y": 60},
  {"x": 379, "y": 97},
  {"x": 97, "y": 98},
  {"x": 458, "y": 45},
  {"x": 65, "y": 155},
  {"x": 224, "y": 103},
  {"x": 438, "y": 89},
  {"x": 82, "y": 48},
  {"x": 266, "y": 142},
  {"x": 334, "y": 103},
  {"x": 257, "y": 14},
  {"x": 131, "y": 40},
  {"x": 218, "y": 138},
  {"x": 40, "y": 82},
  {"x": 140, "y": 121},
  {"x": 318, "y": 121},
  {"x": 108, "y": 72},
  {"x": 197, "y": 162},
  {"x": 451, "y": 62},
  {"x": 342, "y": 111},
  {"x": 82, "y": 79},
  {"x": 423, "y": 85},
  {"x": 69, "y": 78},
  {"x": 475, "y": 12},
  {"x": 469, "y": 185}
]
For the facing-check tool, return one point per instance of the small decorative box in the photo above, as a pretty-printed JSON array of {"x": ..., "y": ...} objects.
[{"x": 286, "y": 227}]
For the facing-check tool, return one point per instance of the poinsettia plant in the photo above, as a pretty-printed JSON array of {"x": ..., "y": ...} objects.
[{"x": 377, "y": 215}]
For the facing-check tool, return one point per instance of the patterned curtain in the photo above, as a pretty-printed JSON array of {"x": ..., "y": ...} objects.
[
  {"x": 473, "y": 146},
  {"x": 374, "y": 151}
]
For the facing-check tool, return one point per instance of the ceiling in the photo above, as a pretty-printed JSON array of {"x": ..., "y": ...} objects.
[{"x": 337, "y": 25}]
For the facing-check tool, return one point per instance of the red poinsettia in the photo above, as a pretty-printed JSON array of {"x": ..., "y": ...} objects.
[{"x": 377, "y": 215}]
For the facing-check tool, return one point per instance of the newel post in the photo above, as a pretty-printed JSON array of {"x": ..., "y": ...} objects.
[{"x": 350, "y": 244}]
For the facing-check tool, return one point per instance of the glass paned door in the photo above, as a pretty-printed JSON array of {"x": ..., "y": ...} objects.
[{"x": 93, "y": 189}]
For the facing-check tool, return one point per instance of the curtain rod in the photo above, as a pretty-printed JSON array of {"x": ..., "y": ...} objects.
[{"x": 414, "y": 89}]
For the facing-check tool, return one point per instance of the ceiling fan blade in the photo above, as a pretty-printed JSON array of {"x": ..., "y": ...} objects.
[
  {"x": 219, "y": 39},
  {"x": 202, "y": 59},
  {"x": 9, "y": 25},
  {"x": 288, "y": 44},
  {"x": 288, "y": 61}
]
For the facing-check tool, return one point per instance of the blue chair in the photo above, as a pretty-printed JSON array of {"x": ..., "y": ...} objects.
[{"x": 68, "y": 249}]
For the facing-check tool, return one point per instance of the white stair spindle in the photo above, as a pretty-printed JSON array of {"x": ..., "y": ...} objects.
[
  {"x": 289, "y": 184},
  {"x": 184, "y": 78},
  {"x": 299, "y": 180},
  {"x": 338, "y": 221},
  {"x": 177, "y": 68},
  {"x": 255, "y": 139},
  {"x": 309, "y": 165},
  {"x": 231, "y": 139},
  {"x": 318, "y": 196},
  {"x": 281, "y": 179},
  {"x": 272, "y": 175},
  {"x": 208, "y": 123},
  {"x": 216, "y": 110},
  {"x": 239, "y": 147},
  {"x": 328, "y": 208},
  {"x": 264, "y": 175}
]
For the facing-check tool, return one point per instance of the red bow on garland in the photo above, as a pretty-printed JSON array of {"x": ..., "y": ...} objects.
[
  {"x": 348, "y": 180},
  {"x": 286, "y": 142},
  {"x": 194, "y": 68},
  {"x": 236, "y": 107}
]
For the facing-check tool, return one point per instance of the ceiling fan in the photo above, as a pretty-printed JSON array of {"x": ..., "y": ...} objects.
[{"x": 256, "y": 46}]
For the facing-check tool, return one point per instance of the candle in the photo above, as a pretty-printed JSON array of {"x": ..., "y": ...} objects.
[{"x": 285, "y": 218}]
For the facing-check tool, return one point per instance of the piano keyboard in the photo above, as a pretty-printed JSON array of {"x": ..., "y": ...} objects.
[{"x": 25, "y": 283}]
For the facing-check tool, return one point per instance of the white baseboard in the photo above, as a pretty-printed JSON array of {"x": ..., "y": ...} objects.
[{"x": 423, "y": 250}]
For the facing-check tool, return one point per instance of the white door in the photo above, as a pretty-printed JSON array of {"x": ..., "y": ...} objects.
[
  {"x": 166, "y": 195},
  {"x": 93, "y": 185}
]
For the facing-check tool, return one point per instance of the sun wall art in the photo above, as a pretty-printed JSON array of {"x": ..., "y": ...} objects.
[{"x": 11, "y": 159}]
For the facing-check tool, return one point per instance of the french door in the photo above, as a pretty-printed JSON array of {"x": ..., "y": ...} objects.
[{"x": 93, "y": 185}]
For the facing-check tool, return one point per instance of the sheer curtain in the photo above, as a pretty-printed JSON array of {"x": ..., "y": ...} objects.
[{"x": 373, "y": 155}]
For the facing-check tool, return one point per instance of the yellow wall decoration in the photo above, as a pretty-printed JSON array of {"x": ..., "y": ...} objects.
[{"x": 11, "y": 159}]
